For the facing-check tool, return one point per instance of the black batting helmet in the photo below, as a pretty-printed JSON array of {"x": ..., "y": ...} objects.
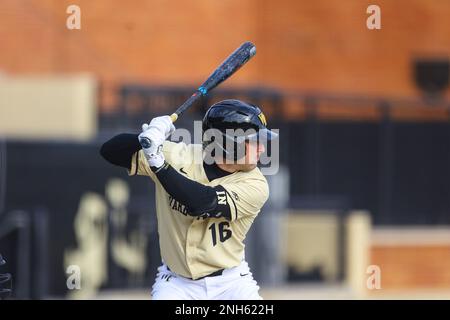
[{"x": 238, "y": 122}]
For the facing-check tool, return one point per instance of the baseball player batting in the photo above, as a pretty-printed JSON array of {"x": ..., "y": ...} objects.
[
  {"x": 204, "y": 211},
  {"x": 204, "y": 207}
]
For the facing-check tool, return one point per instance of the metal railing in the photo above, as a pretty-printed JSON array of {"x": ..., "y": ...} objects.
[{"x": 138, "y": 102}]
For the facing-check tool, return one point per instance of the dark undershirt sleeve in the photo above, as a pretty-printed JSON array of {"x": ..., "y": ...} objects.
[
  {"x": 199, "y": 199},
  {"x": 120, "y": 149}
]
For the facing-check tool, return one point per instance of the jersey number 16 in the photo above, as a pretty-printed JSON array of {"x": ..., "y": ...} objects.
[{"x": 224, "y": 232}]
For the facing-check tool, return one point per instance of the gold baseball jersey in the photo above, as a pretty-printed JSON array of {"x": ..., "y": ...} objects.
[{"x": 194, "y": 247}]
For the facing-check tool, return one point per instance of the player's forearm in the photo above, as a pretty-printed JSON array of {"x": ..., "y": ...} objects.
[
  {"x": 119, "y": 149},
  {"x": 197, "y": 197}
]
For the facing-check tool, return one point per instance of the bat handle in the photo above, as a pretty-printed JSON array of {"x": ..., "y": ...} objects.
[
  {"x": 192, "y": 99},
  {"x": 173, "y": 117}
]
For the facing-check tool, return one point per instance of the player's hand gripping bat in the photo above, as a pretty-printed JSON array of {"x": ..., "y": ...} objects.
[{"x": 236, "y": 60}]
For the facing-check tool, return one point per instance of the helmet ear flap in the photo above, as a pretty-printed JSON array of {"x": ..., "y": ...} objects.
[
  {"x": 228, "y": 146},
  {"x": 233, "y": 148},
  {"x": 239, "y": 150}
]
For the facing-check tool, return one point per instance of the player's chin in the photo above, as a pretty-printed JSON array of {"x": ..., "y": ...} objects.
[{"x": 248, "y": 167}]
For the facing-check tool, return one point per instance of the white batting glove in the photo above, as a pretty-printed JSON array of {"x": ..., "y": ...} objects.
[
  {"x": 151, "y": 141},
  {"x": 155, "y": 161},
  {"x": 163, "y": 124},
  {"x": 152, "y": 138}
]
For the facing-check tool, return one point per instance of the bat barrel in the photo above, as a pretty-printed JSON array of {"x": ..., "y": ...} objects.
[{"x": 236, "y": 60}]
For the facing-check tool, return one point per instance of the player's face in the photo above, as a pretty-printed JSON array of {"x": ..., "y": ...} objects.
[{"x": 252, "y": 154}]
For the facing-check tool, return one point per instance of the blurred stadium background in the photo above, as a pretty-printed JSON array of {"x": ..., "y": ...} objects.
[{"x": 364, "y": 183}]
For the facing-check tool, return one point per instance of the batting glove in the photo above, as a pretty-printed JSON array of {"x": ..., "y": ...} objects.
[
  {"x": 163, "y": 124},
  {"x": 152, "y": 138}
]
